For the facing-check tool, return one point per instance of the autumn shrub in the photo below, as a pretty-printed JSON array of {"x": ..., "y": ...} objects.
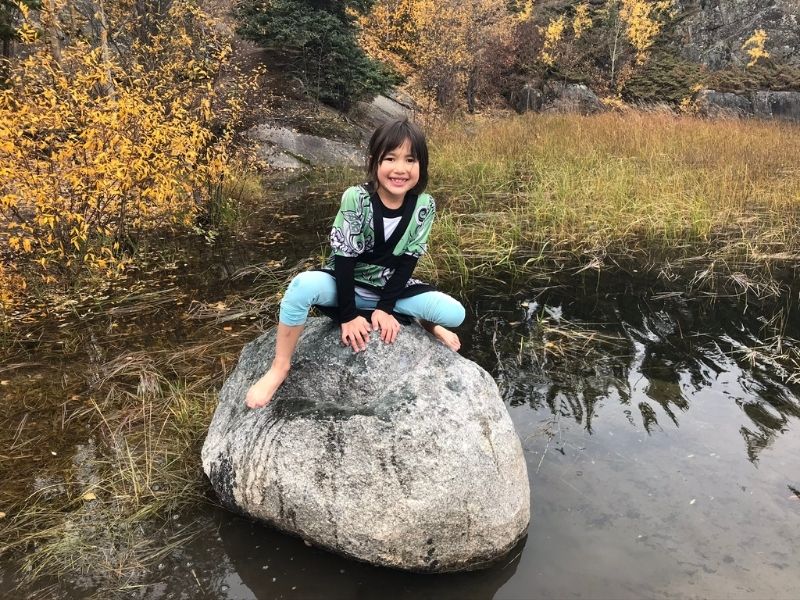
[
  {"x": 447, "y": 48},
  {"x": 99, "y": 148},
  {"x": 664, "y": 77}
]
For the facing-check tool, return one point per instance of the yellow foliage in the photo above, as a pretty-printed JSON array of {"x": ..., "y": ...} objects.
[
  {"x": 642, "y": 23},
  {"x": 755, "y": 46},
  {"x": 96, "y": 150},
  {"x": 526, "y": 12},
  {"x": 12, "y": 287},
  {"x": 437, "y": 42},
  {"x": 581, "y": 21},
  {"x": 552, "y": 33}
]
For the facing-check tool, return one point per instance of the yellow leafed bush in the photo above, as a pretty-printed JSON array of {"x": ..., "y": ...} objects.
[{"x": 97, "y": 149}]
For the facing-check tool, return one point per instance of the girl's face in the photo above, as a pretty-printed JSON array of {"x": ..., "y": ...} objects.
[{"x": 398, "y": 172}]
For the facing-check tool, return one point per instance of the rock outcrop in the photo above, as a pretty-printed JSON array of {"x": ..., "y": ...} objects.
[
  {"x": 284, "y": 148},
  {"x": 713, "y": 31},
  {"x": 761, "y": 104},
  {"x": 403, "y": 455},
  {"x": 556, "y": 97}
]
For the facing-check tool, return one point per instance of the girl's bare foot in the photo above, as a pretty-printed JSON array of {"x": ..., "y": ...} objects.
[
  {"x": 447, "y": 337},
  {"x": 261, "y": 392}
]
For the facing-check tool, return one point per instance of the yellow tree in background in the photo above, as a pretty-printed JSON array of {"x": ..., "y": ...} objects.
[
  {"x": 441, "y": 45},
  {"x": 636, "y": 23},
  {"x": 552, "y": 34},
  {"x": 581, "y": 21}
]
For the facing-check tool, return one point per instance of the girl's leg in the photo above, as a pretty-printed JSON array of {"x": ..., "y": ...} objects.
[
  {"x": 436, "y": 312},
  {"x": 311, "y": 287}
]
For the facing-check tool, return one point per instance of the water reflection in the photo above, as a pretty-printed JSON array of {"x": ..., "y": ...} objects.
[
  {"x": 273, "y": 565},
  {"x": 652, "y": 357}
]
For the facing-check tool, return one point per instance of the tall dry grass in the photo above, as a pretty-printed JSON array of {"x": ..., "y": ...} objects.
[
  {"x": 533, "y": 188},
  {"x": 532, "y": 192}
]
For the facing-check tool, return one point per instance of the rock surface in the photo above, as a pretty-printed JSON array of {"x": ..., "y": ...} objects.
[
  {"x": 556, "y": 97},
  {"x": 403, "y": 455},
  {"x": 570, "y": 98},
  {"x": 761, "y": 104},
  {"x": 394, "y": 105},
  {"x": 284, "y": 148},
  {"x": 713, "y": 31}
]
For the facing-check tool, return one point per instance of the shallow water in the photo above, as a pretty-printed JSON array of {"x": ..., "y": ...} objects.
[
  {"x": 660, "y": 466},
  {"x": 663, "y": 456}
]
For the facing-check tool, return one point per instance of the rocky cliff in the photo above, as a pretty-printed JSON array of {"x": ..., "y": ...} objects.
[{"x": 712, "y": 32}]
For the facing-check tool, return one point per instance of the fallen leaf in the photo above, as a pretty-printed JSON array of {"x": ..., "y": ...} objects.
[{"x": 89, "y": 496}]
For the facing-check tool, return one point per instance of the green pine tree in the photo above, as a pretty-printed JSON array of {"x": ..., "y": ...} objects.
[{"x": 318, "y": 38}]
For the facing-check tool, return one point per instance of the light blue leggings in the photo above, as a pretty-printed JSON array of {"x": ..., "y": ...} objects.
[{"x": 318, "y": 287}]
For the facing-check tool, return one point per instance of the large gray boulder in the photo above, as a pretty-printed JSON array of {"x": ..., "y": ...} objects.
[{"x": 403, "y": 455}]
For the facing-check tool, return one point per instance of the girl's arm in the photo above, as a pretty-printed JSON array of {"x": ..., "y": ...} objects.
[
  {"x": 416, "y": 247},
  {"x": 344, "y": 269},
  {"x": 397, "y": 283},
  {"x": 348, "y": 242}
]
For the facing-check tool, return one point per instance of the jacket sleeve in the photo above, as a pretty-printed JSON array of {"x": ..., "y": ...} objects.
[
  {"x": 344, "y": 269},
  {"x": 422, "y": 223},
  {"x": 348, "y": 241},
  {"x": 349, "y": 232},
  {"x": 397, "y": 283}
]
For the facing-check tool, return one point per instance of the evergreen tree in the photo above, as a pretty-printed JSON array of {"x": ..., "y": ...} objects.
[{"x": 318, "y": 38}]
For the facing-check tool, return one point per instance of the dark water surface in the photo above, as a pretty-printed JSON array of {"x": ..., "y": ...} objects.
[
  {"x": 660, "y": 432},
  {"x": 662, "y": 465}
]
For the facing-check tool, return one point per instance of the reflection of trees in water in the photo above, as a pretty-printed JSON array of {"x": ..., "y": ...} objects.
[{"x": 653, "y": 357}]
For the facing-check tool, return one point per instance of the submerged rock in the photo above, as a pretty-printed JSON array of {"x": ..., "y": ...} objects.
[{"x": 403, "y": 455}]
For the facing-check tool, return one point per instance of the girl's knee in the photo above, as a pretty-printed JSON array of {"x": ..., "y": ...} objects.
[
  {"x": 455, "y": 313},
  {"x": 305, "y": 289},
  {"x": 444, "y": 310},
  {"x": 302, "y": 282}
]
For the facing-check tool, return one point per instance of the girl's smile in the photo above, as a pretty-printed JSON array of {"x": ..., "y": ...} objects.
[{"x": 398, "y": 173}]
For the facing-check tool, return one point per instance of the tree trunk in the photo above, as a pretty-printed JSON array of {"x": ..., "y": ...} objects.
[
  {"x": 108, "y": 84},
  {"x": 52, "y": 31}
]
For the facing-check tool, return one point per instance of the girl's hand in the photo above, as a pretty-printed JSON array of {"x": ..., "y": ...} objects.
[
  {"x": 388, "y": 325},
  {"x": 355, "y": 334}
]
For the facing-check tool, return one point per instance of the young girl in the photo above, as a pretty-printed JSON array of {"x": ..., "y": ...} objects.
[{"x": 378, "y": 235}]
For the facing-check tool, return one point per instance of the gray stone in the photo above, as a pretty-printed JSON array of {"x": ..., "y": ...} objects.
[
  {"x": 383, "y": 108},
  {"x": 528, "y": 98},
  {"x": 403, "y": 455},
  {"x": 570, "y": 98},
  {"x": 777, "y": 105},
  {"x": 555, "y": 96},
  {"x": 713, "y": 31},
  {"x": 288, "y": 149},
  {"x": 763, "y": 104},
  {"x": 711, "y": 103}
]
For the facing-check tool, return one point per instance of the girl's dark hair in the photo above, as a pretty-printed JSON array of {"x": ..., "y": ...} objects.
[{"x": 389, "y": 136}]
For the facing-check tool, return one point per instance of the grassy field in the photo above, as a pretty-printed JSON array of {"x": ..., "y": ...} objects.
[{"x": 531, "y": 194}]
